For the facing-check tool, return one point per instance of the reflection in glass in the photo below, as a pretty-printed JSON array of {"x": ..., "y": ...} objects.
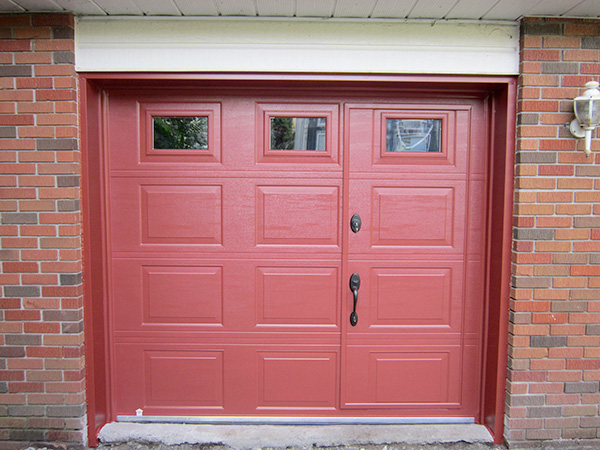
[
  {"x": 298, "y": 133},
  {"x": 413, "y": 135},
  {"x": 188, "y": 133}
]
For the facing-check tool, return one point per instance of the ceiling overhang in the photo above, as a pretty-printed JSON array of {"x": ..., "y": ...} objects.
[{"x": 454, "y": 10}]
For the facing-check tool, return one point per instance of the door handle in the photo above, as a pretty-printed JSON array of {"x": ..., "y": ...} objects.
[
  {"x": 355, "y": 223},
  {"x": 354, "y": 287}
]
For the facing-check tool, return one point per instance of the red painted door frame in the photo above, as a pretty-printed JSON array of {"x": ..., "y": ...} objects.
[{"x": 500, "y": 94}]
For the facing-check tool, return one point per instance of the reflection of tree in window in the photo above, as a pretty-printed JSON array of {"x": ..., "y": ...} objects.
[
  {"x": 189, "y": 133},
  {"x": 413, "y": 135},
  {"x": 298, "y": 133}
]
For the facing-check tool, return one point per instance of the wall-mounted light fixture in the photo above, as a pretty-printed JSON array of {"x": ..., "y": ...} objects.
[{"x": 587, "y": 114}]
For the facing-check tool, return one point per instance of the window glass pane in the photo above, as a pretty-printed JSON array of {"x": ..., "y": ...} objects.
[
  {"x": 298, "y": 133},
  {"x": 413, "y": 135},
  {"x": 180, "y": 133}
]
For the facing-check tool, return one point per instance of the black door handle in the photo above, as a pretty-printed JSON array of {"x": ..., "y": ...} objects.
[
  {"x": 355, "y": 223},
  {"x": 354, "y": 287}
]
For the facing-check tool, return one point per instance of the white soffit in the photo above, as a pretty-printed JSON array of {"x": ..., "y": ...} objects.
[{"x": 279, "y": 45}]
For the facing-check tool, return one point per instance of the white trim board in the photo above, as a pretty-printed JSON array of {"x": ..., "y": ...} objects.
[{"x": 311, "y": 46}]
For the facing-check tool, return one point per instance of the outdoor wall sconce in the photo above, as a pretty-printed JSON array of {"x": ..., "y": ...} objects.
[{"x": 587, "y": 114}]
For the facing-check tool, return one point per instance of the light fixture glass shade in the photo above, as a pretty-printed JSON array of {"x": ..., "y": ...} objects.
[{"x": 587, "y": 106}]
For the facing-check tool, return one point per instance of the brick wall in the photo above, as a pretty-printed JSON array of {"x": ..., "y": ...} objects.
[
  {"x": 554, "y": 348},
  {"x": 554, "y": 344},
  {"x": 41, "y": 354}
]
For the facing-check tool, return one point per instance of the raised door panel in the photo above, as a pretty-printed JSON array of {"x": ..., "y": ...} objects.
[
  {"x": 298, "y": 215},
  {"x": 410, "y": 299},
  {"x": 425, "y": 378},
  {"x": 179, "y": 298},
  {"x": 140, "y": 150},
  {"x": 372, "y": 131},
  {"x": 184, "y": 215},
  {"x": 297, "y": 379},
  {"x": 297, "y": 295},
  {"x": 399, "y": 217},
  {"x": 165, "y": 379}
]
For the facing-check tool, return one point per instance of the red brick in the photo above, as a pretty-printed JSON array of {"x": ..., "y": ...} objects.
[
  {"x": 35, "y": 108},
  {"x": 33, "y": 58},
  {"x": 581, "y": 29},
  {"x": 37, "y": 181},
  {"x": 36, "y": 132},
  {"x": 539, "y": 105},
  {"x": 44, "y": 352},
  {"x": 55, "y": 95},
  {"x": 49, "y": 70},
  {"x": 7, "y": 181},
  {"x": 540, "y": 55},
  {"x": 575, "y": 80},
  {"x": 12, "y": 375},
  {"x": 526, "y": 376},
  {"x": 548, "y": 364},
  {"x": 22, "y": 243},
  {"x": 34, "y": 83},
  {"x": 586, "y": 246},
  {"x": 43, "y": 327},
  {"x": 64, "y": 193},
  {"x": 57, "y": 169},
  {"x": 41, "y": 303},
  {"x": 14, "y": 46},
  {"x": 54, "y": 45},
  {"x": 552, "y": 246},
  {"x": 536, "y": 131},
  {"x": 581, "y": 55},
  {"x": 529, "y": 330},
  {"x": 65, "y": 386},
  {"x": 32, "y": 33},
  {"x": 20, "y": 267},
  {"x": 57, "y": 267},
  {"x": 37, "y": 205},
  {"x": 38, "y": 230},
  {"x": 564, "y": 375},
  {"x": 53, "y": 20},
  {"x": 562, "y": 42},
  {"x": 16, "y": 169},
  {"x": 556, "y": 170},
  {"x": 554, "y": 222},
  {"x": 535, "y": 183},
  {"x": 39, "y": 279},
  {"x": 568, "y": 352},
  {"x": 16, "y": 95},
  {"x": 25, "y": 387},
  {"x": 549, "y": 318},
  {"x": 592, "y": 69},
  {"x": 540, "y": 80},
  {"x": 60, "y": 242},
  {"x": 569, "y": 282},
  {"x": 45, "y": 399},
  {"x": 575, "y": 210},
  {"x": 22, "y": 315},
  {"x": 39, "y": 255},
  {"x": 61, "y": 291},
  {"x": 584, "y": 341}
]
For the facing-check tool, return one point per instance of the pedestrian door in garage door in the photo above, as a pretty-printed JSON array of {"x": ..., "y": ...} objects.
[{"x": 231, "y": 253}]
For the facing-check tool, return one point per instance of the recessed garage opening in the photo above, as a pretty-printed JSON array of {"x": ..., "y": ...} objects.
[{"x": 299, "y": 250}]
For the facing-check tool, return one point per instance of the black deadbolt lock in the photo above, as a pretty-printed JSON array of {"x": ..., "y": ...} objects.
[{"x": 355, "y": 223}]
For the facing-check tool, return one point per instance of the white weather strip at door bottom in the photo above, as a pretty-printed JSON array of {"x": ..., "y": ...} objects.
[{"x": 249, "y": 420}]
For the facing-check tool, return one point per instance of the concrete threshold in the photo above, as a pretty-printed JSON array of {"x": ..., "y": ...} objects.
[{"x": 244, "y": 437}]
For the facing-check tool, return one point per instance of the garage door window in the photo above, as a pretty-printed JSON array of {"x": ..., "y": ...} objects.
[
  {"x": 413, "y": 135},
  {"x": 180, "y": 133}
]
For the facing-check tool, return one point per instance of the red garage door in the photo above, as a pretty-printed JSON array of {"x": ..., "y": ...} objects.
[{"x": 231, "y": 254}]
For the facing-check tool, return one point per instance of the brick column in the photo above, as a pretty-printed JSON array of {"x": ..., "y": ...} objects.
[
  {"x": 41, "y": 328},
  {"x": 554, "y": 345}
]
